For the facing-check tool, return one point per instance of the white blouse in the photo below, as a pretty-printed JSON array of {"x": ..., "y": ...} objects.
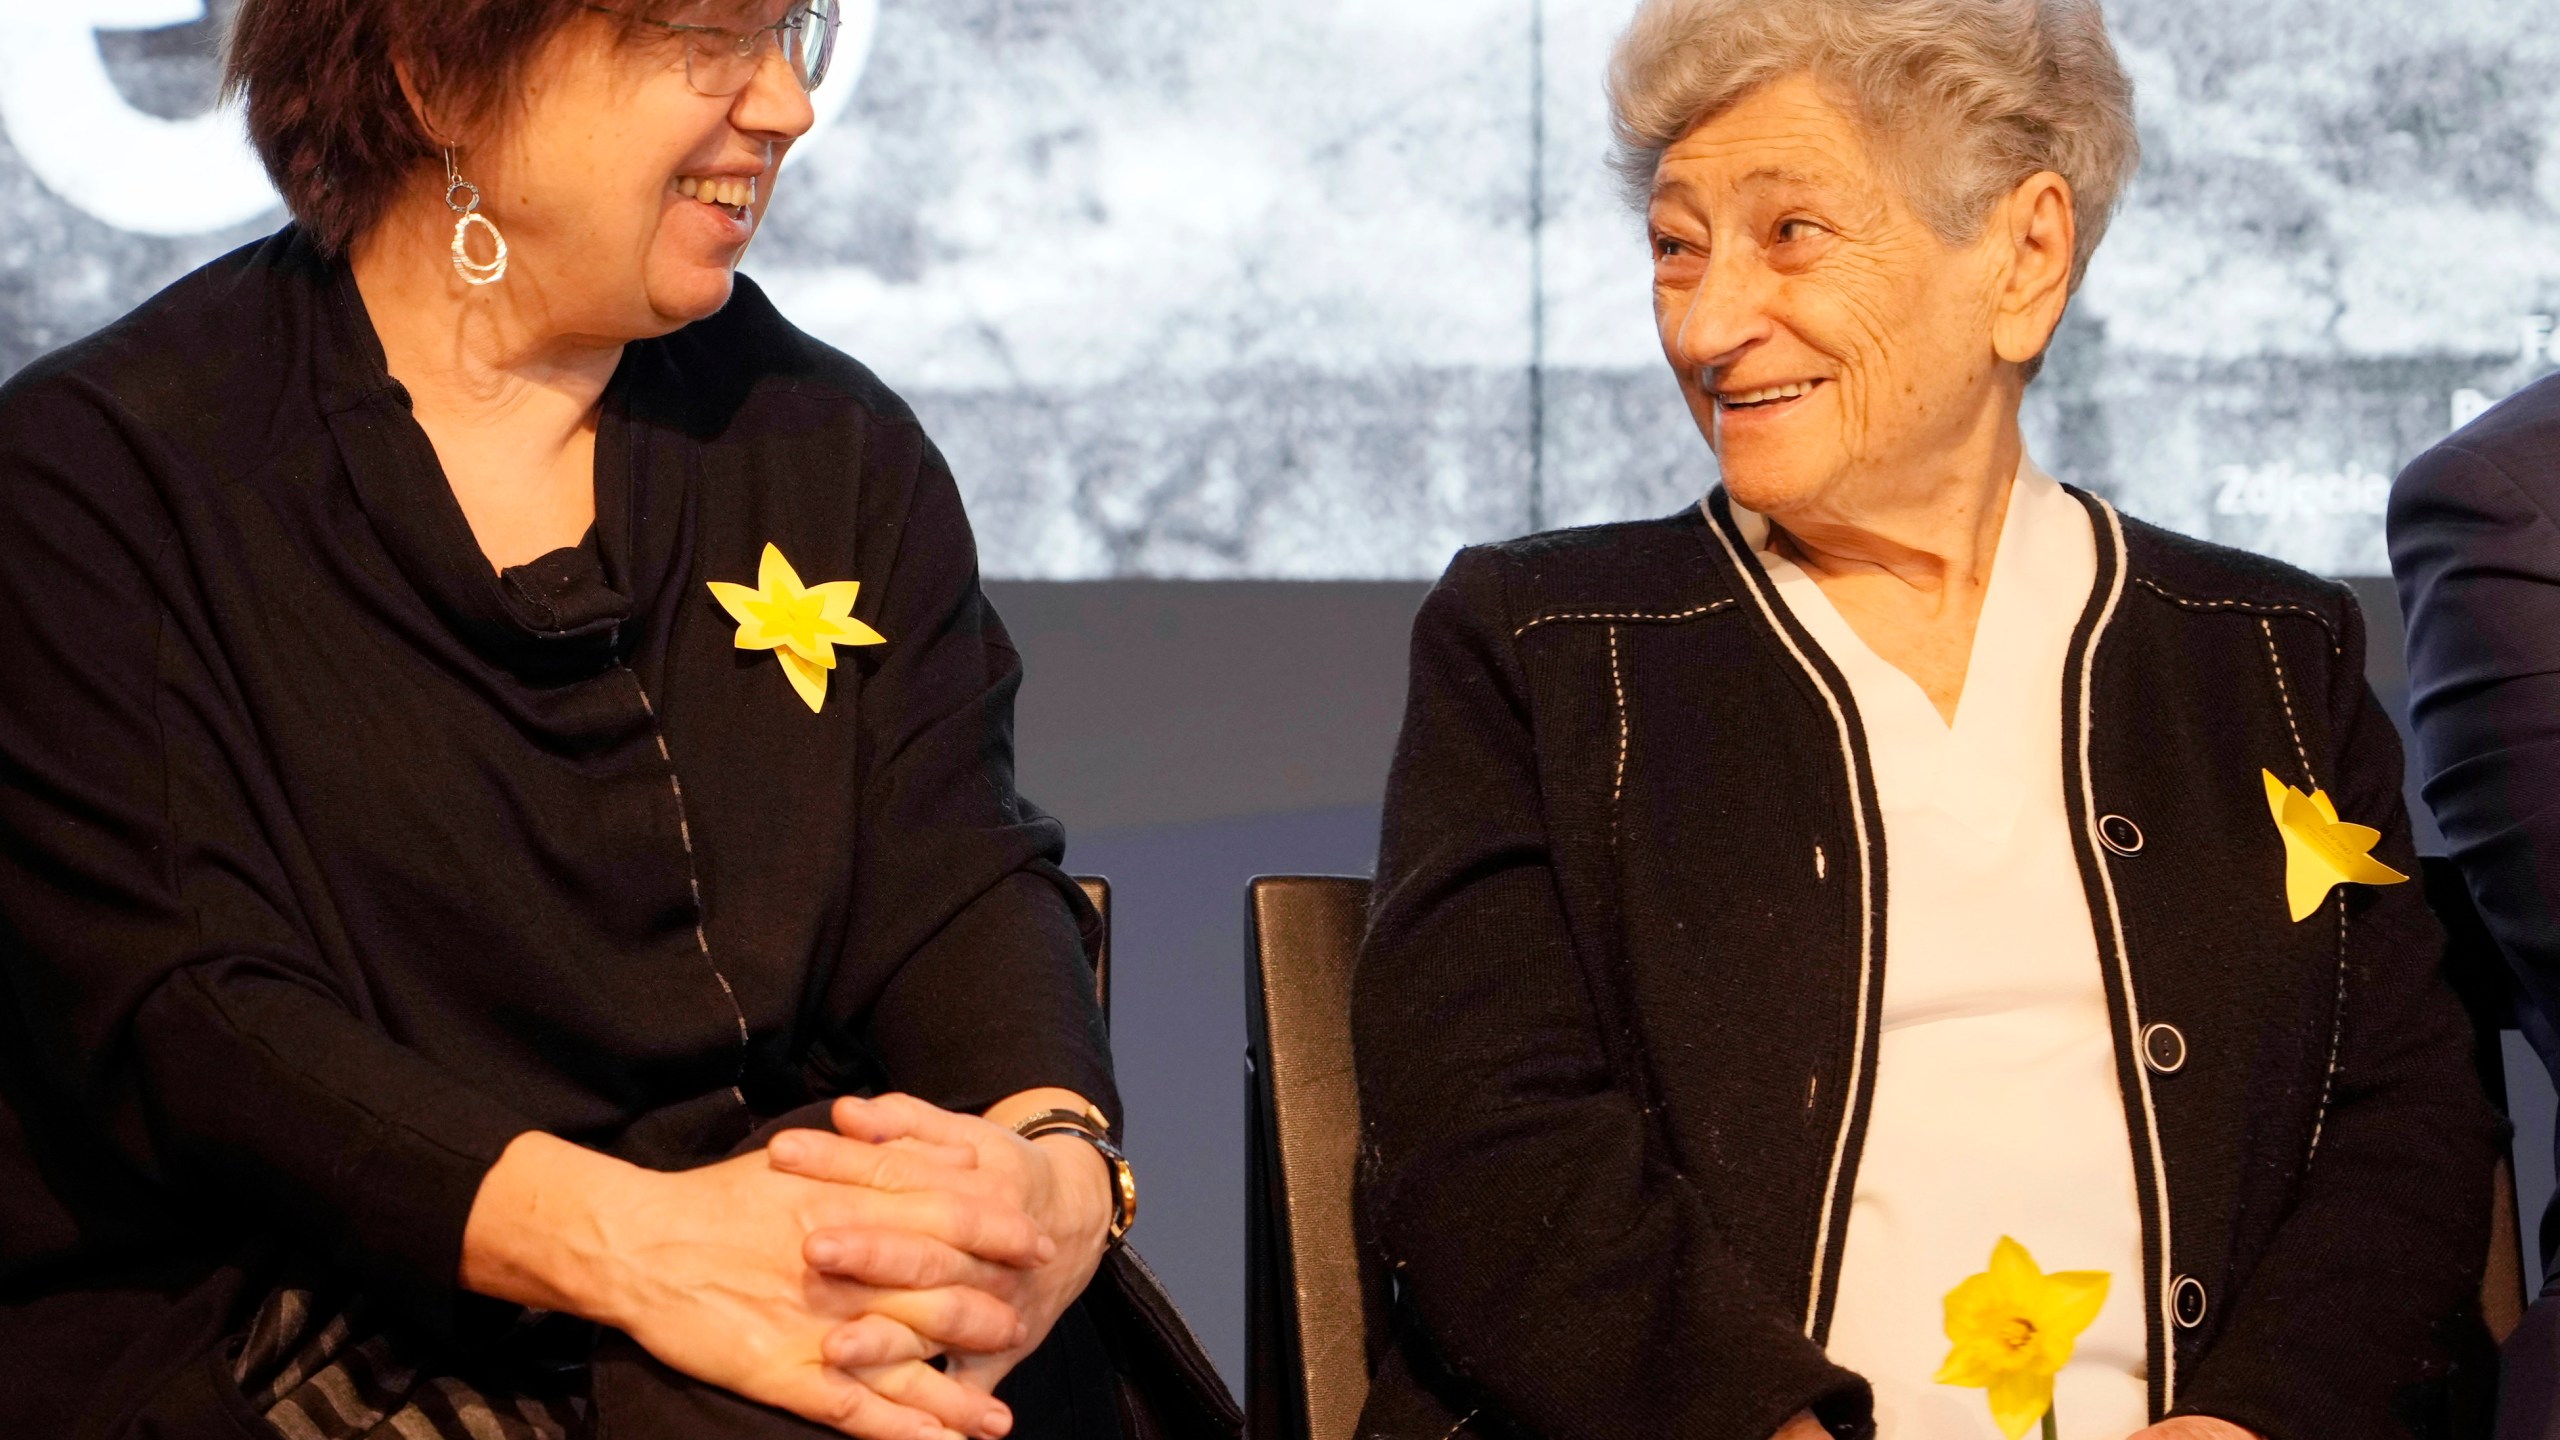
[{"x": 1996, "y": 1107}]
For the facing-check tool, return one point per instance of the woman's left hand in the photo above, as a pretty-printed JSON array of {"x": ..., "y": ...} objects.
[
  {"x": 2194, "y": 1427},
  {"x": 900, "y": 1142}
]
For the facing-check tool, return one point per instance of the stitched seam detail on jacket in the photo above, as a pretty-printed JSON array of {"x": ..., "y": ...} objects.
[
  {"x": 1629, "y": 616},
  {"x": 693, "y": 879},
  {"x": 1618, "y": 689},
  {"x": 2284, "y": 692},
  {"x": 2337, "y": 1033},
  {"x": 2249, "y": 607}
]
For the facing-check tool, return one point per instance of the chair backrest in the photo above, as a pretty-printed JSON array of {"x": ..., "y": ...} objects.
[
  {"x": 1315, "y": 1302},
  {"x": 2477, "y": 972},
  {"x": 1098, "y": 890}
]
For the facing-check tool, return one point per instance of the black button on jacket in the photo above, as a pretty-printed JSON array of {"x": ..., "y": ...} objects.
[
  {"x": 331, "y": 860},
  {"x": 1631, "y": 899}
]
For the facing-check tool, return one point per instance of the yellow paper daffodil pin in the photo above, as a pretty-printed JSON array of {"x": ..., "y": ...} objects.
[
  {"x": 802, "y": 624},
  {"x": 2014, "y": 1328},
  {"x": 2321, "y": 851}
]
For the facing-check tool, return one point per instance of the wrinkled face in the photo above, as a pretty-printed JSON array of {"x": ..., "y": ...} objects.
[
  {"x": 1828, "y": 342},
  {"x": 589, "y": 176}
]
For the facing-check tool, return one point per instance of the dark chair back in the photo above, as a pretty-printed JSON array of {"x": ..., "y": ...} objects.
[
  {"x": 2478, "y": 973},
  {"x": 1315, "y": 1302},
  {"x": 1098, "y": 890}
]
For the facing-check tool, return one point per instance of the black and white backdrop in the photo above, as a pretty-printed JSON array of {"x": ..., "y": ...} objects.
[{"x": 1322, "y": 289}]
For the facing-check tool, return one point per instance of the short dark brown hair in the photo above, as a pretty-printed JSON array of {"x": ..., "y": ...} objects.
[{"x": 325, "y": 105}]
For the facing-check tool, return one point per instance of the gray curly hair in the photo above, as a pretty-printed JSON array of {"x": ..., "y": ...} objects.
[{"x": 1988, "y": 92}]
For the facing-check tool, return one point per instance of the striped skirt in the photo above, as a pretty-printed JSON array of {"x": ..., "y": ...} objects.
[{"x": 317, "y": 1370}]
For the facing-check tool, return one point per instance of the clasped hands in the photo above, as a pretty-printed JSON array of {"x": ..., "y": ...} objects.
[
  {"x": 988, "y": 1239},
  {"x": 879, "y": 1280}
]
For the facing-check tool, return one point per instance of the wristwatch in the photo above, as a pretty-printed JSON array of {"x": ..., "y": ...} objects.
[{"x": 1089, "y": 1126}]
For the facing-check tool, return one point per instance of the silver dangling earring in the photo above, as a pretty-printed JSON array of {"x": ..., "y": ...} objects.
[{"x": 471, "y": 271}]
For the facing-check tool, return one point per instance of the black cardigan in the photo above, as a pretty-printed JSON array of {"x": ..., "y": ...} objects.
[
  {"x": 1616, "y": 1008},
  {"x": 331, "y": 860}
]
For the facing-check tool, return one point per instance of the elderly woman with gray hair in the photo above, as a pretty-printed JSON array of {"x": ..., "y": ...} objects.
[{"x": 1898, "y": 947}]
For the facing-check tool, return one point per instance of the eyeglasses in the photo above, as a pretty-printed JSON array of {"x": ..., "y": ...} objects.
[{"x": 719, "y": 60}]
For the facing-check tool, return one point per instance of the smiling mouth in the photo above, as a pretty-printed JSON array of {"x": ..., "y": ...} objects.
[
  {"x": 1767, "y": 397},
  {"x": 735, "y": 194}
]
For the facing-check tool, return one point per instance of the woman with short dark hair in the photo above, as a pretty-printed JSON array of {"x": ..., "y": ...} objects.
[
  {"x": 1900, "y": 948},
  {"x": 501, "y": 731}
]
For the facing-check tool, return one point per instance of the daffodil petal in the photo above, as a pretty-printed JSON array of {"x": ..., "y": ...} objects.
[
  {"x": 821, "y": 650},
  {"x": 2012, "y": 1266},
  {"x": 774, "y": 574},
  {"x": 2368, "y": 871},
  {"x": 2018, "y": 1400},
  {"x": 1970, "y": 1364},
  {"x": 808, "y": 679},
  {"x": 2072, "y": 1299},
  {"x": 2308, "y": 874},
  {"x": 2348, "y": 848},
  {"x": 836, "y": 597},
  {"x": 735, "y": 599},
  {"x": 2301, "y": 816},
  {"x": 1966, "y": 1304},
  {"x": 2327, "y": 808},
  {"x": 2306, "y": 889}
]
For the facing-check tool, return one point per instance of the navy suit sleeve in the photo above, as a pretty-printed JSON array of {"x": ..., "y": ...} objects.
[{"x": 2477, "y": 555}]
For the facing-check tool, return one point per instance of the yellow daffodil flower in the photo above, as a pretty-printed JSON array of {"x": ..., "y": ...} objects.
[
  {"x": 2014, "y": 1327},
  {"x": 802, "y": 624},
  {"x": 2321, "y": 851}
]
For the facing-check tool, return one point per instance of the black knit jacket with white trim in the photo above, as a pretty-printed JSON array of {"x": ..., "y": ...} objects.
[{"x": 1617, "y": 1009}]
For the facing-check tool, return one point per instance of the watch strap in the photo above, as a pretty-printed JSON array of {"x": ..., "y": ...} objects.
[{"x": 1088, "y": 1126}]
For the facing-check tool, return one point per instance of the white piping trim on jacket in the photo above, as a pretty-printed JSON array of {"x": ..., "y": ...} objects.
[
  {"x": 2124, "y": 959},
  {"x": 1629, "y": 615},
  {"x": 1755, "y": 581},
  {"x": 2284, "y": 692},
  {"x": 2337, "y": 1037},
  {"x": 1618, "y": 689}
]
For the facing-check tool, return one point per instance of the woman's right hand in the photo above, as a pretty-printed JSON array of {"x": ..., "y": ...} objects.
[{"x": 704, "y": 1269}]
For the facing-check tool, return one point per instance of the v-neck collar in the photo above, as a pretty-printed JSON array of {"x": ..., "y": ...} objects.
[{"x": 1979, "y": 769}]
